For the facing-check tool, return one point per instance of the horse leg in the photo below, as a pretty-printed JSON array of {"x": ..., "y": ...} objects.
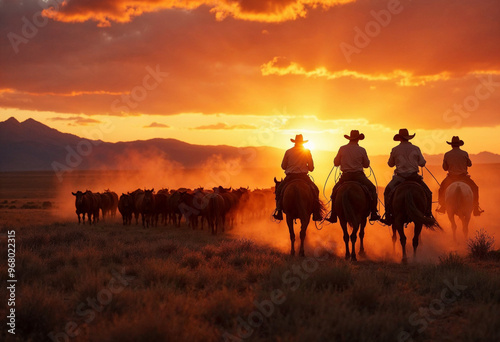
[
  {"x": 303, "y": 230},
  {"x": 465, "y": 226},
  {"x": 354, "y": 236},
  {"x": 402, "y": 239},
  {"x": 416, "y": 238},
  {"x": 289, "y": 222},
  {"x": 361, "y": 236},
  {"x": 346, "y": 240},
  {"x": 451, "y": 217},
  {"x": 394, "y": 238}
]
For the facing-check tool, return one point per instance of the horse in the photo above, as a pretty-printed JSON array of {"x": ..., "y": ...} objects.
[
  {"x": 352, "y": 208},
  {"x": 298, "y": 202},
  {"x": 459, "y": 202},
  {"x": 409, "y": 202}
]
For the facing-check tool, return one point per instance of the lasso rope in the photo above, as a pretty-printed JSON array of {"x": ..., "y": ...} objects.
[
  {"x": 326, "y": 182},
  {"x": 376, "y": 186},
  {"x": 430, "y": 174}
]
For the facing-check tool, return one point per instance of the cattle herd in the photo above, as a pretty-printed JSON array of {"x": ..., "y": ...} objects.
[{"x": 219, "y": 208}]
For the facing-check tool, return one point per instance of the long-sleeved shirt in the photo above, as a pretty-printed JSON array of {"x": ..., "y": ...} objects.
[
  {"x": 297, "y": 160},
  {"x": 456, "y": 162},
  {"x": 351, "y": 158},
  {"x": 406, "y": 157}
]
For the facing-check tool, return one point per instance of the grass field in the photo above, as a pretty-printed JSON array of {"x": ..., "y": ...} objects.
[{"x": 114, "y": 283}]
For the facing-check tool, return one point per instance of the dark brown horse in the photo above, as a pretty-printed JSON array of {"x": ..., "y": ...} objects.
[
  {"x": 298, "y": 202},
  {"x": 352, "y": 209},
  {"x": 409, "y": 203}
]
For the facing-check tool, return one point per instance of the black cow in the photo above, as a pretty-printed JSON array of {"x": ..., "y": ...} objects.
[
  {"x": 126, "y": 208},
  {"x": 87, "y": 203}
]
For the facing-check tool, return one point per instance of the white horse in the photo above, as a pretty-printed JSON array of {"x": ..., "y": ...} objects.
[{"x": 459, "y": 202}]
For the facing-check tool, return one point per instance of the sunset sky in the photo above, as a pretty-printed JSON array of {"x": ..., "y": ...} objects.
[{"x": 256, "y": 72}]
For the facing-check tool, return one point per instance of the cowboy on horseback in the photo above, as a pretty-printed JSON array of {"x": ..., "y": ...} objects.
[
  {"x": 456, "y": 162},
  {"x": 352, "y": 158},
  {"x": 407, "y": 158},
  {"x": 297, "y": 162}
]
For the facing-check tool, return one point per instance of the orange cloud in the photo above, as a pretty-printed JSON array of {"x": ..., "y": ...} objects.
[
  {"x": 122, "y": 11},
  {"x": 225, "y": 126},
  {"x": 156, "y": 125},
  {"x": 279, "y": 66},
  {"x": 76, "y": 120}
]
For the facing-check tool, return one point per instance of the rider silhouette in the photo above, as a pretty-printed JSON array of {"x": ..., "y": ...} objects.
[
  {"x": 407, "y": 158},
  {"x": 456, "y": 162},
  {"x": 352, "y": 158},
  {"x": 297, "y": 162}
]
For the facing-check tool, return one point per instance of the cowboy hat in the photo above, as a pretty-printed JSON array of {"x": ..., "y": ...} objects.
[
  {"x": 403, "y": 135},
  {"x": 355, "y": 135},
  {"x": 455, "y": 141},
  {"x": 299, "y": 139}
]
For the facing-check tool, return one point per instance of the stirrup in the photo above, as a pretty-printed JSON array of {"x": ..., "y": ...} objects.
[
  {"x": 278, "y": 215},
  {"x": 374, "y": 216},
  {"x": 387, "y": 220},
  {"x": 478, "y": 211},
  {"x": 441, "y": 210},
  {"x": 332, "y": 219}
]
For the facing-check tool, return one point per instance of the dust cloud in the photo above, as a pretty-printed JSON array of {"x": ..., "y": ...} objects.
[{"x": 148, "y": 171}]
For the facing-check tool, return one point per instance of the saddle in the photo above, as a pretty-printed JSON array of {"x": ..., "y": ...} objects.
[
  {"x": 364, "y": 187},
  {"x": 459, "y": 178},
  {"x": 411, "y": 180},
  {"x": 309, "y": 183}
]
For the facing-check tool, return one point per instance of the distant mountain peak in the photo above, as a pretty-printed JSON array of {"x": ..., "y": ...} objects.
[
  {"x": 33, "y": 123},
  {"x": 12, "y": 120}
]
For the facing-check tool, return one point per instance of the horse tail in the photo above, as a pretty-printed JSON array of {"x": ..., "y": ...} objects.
[
  {"x": 415, "y": 215},
  {"x": 349, "y": 213}
]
